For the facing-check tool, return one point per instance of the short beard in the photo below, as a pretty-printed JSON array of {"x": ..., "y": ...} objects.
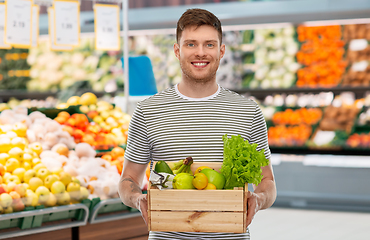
[{"x": 197, "y": 80}]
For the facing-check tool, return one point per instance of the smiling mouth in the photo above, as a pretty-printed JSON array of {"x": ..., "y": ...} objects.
[{"x": 200, "y": 64}]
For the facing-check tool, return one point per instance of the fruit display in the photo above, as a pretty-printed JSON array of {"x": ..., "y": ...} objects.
[
  {"x": 358, "y": 140},
  {"x": 38, "y": 127},
  {"x": 309, "y": 116},
  {"x": 107, "y": 127},
  {"x": 115, "y": 157},
  {"x": 339, "y": 118},
  {"x": 357, "y": 38},
  {"x": 24, "y": 178},
  {"x": 321, "y": 53},
  {"x": 51, "y": 71},
  {"x": 282, "y": 135},
  {"x": 274, "y": 55}
]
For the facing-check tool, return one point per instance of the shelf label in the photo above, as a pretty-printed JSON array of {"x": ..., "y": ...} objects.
[
  {"x": 66, "y": 23},
  {"x": 18, "y": 27},
  {"x": 360, "y": 66},
  {"x": 2, "y": 27},
  {"x": 107, "y": 27},
  {"x": 35, "y": 25},
  {"x": 54, "y": 47}
]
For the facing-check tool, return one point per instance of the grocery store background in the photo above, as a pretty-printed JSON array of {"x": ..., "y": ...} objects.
[{"x": 306, "y": 62}]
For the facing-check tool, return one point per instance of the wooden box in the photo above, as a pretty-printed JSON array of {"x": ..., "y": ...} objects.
[{"x": 185, "y": 210}]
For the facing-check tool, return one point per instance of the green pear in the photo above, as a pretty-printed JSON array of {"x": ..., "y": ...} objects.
[{"x": 183, "y": 181}]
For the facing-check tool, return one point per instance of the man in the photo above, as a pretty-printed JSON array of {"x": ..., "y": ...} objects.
[{"x": 190, "y": 119}]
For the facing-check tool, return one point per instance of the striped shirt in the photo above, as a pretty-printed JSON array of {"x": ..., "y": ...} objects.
[{"x": 170, "y": 126}]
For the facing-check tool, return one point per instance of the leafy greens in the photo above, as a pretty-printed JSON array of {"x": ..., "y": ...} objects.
[{"x": 242, "y": 162}]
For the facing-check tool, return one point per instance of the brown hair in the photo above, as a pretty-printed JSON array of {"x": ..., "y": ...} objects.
[{"x": 198, "y": 17}]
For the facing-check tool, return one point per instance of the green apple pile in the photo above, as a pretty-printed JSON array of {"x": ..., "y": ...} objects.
[{"x": 25, "y": 180}]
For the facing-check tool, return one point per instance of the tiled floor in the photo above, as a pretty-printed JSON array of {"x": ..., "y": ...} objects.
[{"x": 296, "y": 224}]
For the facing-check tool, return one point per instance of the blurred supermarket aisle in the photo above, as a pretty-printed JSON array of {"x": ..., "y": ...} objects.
[{"x": 296, "y": 224}]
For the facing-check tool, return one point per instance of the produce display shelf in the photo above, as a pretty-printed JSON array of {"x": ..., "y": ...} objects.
[
  {"x": 111, "y": 210},
  {"x": 44, "y": 220}
]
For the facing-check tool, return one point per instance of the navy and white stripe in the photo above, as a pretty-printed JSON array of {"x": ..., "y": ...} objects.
[{"x": 169, "y": 126}]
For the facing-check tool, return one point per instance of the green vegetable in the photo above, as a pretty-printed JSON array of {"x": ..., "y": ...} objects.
[
  {"x": 242, "y": 162},
  {"x": 162, "y": 166}
]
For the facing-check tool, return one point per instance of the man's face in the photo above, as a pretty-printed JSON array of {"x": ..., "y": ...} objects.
[{"x": 199, "y": 53}]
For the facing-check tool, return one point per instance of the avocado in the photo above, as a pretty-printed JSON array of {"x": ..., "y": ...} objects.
[{"x": 162, "y": 166}]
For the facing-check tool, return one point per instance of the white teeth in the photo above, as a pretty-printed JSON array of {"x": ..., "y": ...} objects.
[{"x": 200, "y": 64}]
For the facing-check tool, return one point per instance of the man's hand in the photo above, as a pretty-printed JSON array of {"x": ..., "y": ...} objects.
[{"x": 142, "y": 206}]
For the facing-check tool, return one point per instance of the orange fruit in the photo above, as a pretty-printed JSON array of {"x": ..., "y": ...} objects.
[
  {"x": 116, "y": 152},
  {"x": 63, "y": 114},
  {"x": 62, "y": 150},
  {"x": 210, "y": 186},
  {"x": 200, "y": 181},
  {"x": 199, "y": 169},
  {"x": 60, "y": 120},
  {"x": 107, "y": 157}
]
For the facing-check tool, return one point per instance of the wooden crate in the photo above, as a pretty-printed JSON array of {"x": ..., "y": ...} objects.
[{"x": 185, "y": 210}]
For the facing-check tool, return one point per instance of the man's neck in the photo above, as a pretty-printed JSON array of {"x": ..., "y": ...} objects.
[{"x": 197, "y": 89}]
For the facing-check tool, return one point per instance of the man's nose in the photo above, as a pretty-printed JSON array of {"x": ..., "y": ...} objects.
[{"x": 200, "y": 51}]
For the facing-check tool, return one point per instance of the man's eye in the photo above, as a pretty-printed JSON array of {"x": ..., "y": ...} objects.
[
  {"x": 210, "y": 45},
  {"x": 191, "y": 44}
]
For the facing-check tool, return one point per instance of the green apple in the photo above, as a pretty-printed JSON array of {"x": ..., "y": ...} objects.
[
  {"x": 13, "y": 178},
  {"x": 84, "y": 193},
  {"x": 57, "y": 187},
  {"x": 19, "y": 172},
  {"x": 50, "y": 179},
  {"x": 34, "y": 183},
  {"x": 214, "y": 177},
  {"x": 43, "y": 173},
  {"x": 65, "y": 178},
  {"x": 5, "y": 200},
  {"x": 31, "y": 198},
  {"x": 28, "y": 175},
  {"x": 52, "y": 201},
  {"x": 8, "y": 209},
  {"x": 63, "y": 198},
  {"x": 43, "y": 193},
  {"x": 74, "y": 190},
  {"x": 183, "y": 181}
]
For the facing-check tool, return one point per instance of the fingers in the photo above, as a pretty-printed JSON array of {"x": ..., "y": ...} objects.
[
  {"x": 251, "y": 202},
  {"x": 143, "y": 207}
]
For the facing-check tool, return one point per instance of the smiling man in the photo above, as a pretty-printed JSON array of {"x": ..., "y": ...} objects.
[{"x": 190, "y": 118}]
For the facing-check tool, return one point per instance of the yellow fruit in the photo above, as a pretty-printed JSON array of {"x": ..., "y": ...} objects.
[
  {"x": 34, "y": 183},
  {"x": 200, "y": 181},
  {"x": 3, "y": 158},
  {"x": 27, "y": 157},
  {"x": 12, "y": 164},
  {"x": 62, "y": 106},
  {"x": 20, "y": 129},
  {"x": 16, "y": 153},
  {"x": 199, "y": 169},
  {"x": 74, "y": 100},
  {"x": 19, "y": 142},
  {"x": 65, "y": 178},
  {"x": 35, "y": 147},
  {"x": 36, "y": 161},
  {"x": 88, "y": 99},
  {"x": 39, "y": 166},
  {"x": 11, "y": 134},
  {"x": 20, "y": 173},
  {"x": 26, "y": 165},
  {"x": 5, "y": 144},
  {"x": 210, "y": 186}
]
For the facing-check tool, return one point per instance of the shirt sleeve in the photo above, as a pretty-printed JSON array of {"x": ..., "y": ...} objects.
[
  {"x": 259, "y": 132},
  {"x": 138, "y": 149}
]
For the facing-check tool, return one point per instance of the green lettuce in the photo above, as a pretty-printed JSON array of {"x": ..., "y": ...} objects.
[{"x": 242, "y": 162}]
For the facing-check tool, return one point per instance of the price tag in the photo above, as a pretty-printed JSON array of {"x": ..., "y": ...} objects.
[
  {"x": 2, "y": 26},
  {"x": 67, "y": 22},
  {"x": 18, "y": 23},
  {"x": 35, "y": 25},
  {"x": 107, "y": 27},
  {"x": 54, "y": 47}
]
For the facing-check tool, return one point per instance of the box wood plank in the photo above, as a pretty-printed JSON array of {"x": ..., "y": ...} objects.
[
  {"x": 197, "y": 221},
  {"x": 196, "y": 200}
]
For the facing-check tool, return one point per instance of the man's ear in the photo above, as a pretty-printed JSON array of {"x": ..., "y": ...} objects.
[
  {"x": 222, "y": 50},
  {"x": 176, "y": 50}
]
